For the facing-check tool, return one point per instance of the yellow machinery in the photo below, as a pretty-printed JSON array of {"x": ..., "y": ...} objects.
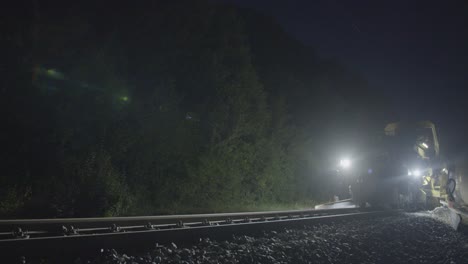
[
  {"x": 416, "y": 148},
  {"x": 405, "y": 170},
  {"x": 431, "y": 180}
]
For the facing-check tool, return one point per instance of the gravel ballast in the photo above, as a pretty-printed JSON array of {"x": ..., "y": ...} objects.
[{"x": 405, "y": 238}]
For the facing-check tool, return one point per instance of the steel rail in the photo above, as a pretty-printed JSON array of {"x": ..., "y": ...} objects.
[
  {"x": 168, "y": 229},
  {"x": 55, "y": 226},
  {"x": 161, "y": 218}
]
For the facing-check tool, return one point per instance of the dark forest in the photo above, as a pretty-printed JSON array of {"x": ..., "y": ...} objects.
[{"x": 170, "y": 107}]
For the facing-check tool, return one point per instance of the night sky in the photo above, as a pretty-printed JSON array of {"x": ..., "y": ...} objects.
[{"x": 414, "y": 52}]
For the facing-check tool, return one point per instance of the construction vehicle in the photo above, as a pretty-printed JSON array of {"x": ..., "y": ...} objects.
[
  {"x": 405, "y": 170},
  {"x": 414, "y": 150}
]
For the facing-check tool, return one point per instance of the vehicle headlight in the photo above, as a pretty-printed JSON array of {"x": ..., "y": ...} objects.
[
  {"x": 345, "y": 163},
  {"x": 415, "y": 173}
]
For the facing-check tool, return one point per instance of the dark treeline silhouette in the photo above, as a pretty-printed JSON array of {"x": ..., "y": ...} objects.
[{"x": 168, "y": 107}]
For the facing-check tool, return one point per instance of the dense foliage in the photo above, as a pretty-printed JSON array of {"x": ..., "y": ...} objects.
[{"x": 167, "y": 108}]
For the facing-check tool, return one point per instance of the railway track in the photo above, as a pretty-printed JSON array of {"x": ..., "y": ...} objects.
[{"x": 49, "y": 237}]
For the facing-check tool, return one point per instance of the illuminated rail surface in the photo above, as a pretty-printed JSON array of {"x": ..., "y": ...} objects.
[{"x": 71, "y": 235}]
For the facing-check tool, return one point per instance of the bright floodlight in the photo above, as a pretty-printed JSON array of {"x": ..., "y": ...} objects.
[
  {"x": 417, "y": 173},
  {"x": 345, "y": 163}
]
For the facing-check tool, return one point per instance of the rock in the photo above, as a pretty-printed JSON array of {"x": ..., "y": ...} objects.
[{"x": 406, "y": 238}]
